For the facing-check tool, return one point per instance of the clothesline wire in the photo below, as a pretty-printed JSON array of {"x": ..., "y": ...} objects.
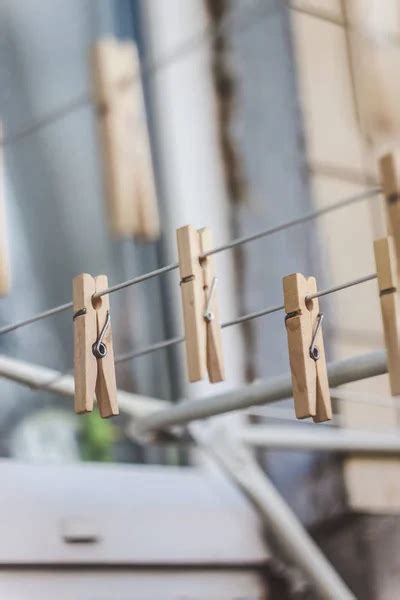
[
  {"x": 149, "y": 67},
  {"x": 146, "y": 276},
  {"x": 248, "y": 317},
  {"x": 299, "y": 221},
  {"x": 179, "y": 339}
]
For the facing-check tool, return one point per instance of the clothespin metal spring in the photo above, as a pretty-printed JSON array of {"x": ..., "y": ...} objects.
[
  {"x": 79, "y": 313},
  {"x": 314, "y": 352},
  {"x": 99, "y": 349}
]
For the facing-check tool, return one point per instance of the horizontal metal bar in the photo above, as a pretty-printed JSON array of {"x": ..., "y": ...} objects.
[
  {"x": 38, "y": 377},
  {"x": 262, "y": 392},
  {"x": 304, "y": 437}
]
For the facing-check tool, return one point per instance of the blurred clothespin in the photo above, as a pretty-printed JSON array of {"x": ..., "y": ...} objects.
[
  {"x": 93, "y": 347},
  {"x": 389, "y": 166},
  {"x": 200, "y": 309},
  {"x": 129, "y": 177},
  {"x": 386, "y": 267},
  {"x": 4, "y": 260},
  {"x": 306, "y": 349}
]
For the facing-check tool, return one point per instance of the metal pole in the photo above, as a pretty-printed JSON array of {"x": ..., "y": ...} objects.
[
  {"x": 312, "y": 438},
  {"x": 239, "y": 464},
  {"x": 50, "y": 380},
  {"x": 264, "y": 392}
]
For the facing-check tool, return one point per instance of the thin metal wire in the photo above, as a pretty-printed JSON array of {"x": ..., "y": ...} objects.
[
  {"x": 135, "y": 280},
  {"x": 266, "y": 232},
  {"x": 245, "y": 19},
  {"x": 70, "y": 107},
  {"x": 304, "y": 219},
  {"x": 254, "y": 315},
  {"x": 179, "y": 339},
  {"x": 43, "y": 315},
  {"x": 149, "y": 349},
  {"x": 150, "y": 67},
  {"x": 343, "y": 286}
]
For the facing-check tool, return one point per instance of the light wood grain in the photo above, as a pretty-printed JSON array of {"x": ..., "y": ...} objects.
[
  {"x": 106, "y": 386},
  {"x": 299, "y": 333},
  {"x": 389, "y": 166},
  {"x": 385, "y": 259},
  {"x": 147, "y": 224},
  {"x": 192, "y": 301},
  {"x": 112, "y": 67},
  {"x": 215, "y": 360},
  {"x": 309, "y": 378},
  {"x": 323, "y": 399},
  {"x": 85, "y": 331},
  {"x": 128, "y": 169}
]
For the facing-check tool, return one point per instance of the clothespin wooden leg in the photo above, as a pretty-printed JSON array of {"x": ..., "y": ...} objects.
[
  {"x": 85, "y": 333},
  {"x": 306, "y": 349},
  {"x": 148, "y": 221},
  {"x": 389, "y": 167},
  {"x": 215, "y": 362},
  {"x": 106, "y": 386},
  {"x": 299, "y": 333},
  {"x": 323, "y": 404},
  {"x": 386, "y": 267},
  {"x": 192, "y": 301},
  {"x": 116, "y": 119},
  {"x": 129, "y": 176},
  {"x": 92, "y": 328}
]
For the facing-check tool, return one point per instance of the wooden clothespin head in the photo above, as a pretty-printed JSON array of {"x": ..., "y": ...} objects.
[
  {"x": 389, "y": 167},
  {"x": 386, "y": 267},
  {"x": 306, "y": 349},
  {"x": 128, "y": 168},
  {"x": 93, "y": 347},
  {"x": 5, "y": 279},
  {"x": 200, "y": 309}
]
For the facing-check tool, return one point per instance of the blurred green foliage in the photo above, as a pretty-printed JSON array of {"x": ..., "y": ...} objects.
[{"x": 97, "y": 436}]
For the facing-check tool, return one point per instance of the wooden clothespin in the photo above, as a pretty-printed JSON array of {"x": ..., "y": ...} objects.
[
  {"x": 5, "y": 280},
  {"x": 386, "y": 267},
  {"x": 200, "y": 310},
  {"x": 389, "y": 166},
  {"x": 129, "y": 177},
  {"x": 306, "y": 349},
  {"x": 93, "y": 347}
]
